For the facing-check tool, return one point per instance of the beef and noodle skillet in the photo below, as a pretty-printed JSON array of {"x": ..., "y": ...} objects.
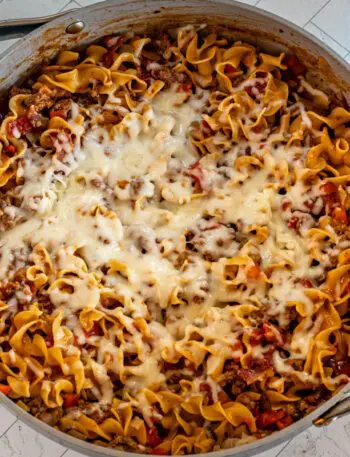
[{"x": 175, "y": 248}]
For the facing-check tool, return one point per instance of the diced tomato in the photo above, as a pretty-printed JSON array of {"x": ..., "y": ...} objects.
[
  {"x": 339, "y": 214},
  {"x": 284, "y": 422},
  {"x": 253, "y": 272},
  {"x": 293, "y": 222},
  {"x": 21, "y": 125},
  {"x": 159, "y": 451},
  {"x": 256, "y": 336},
  {"x": 256, "y": 128},
  {"x": 290, "y": 61},
  {"x": 230, "y": 69},
  {"x": 294, "y": 65},
  {"x": 184, "y": 87},
  {"x": 70, "y": 400},
  {"x": 237, "y": 346},
  {"x": 299, "y": 69},
  {"x": 108, "y": 58},
  {"x": 328, "y": 188},
  {"x": 95, "y": 330},
  {"x": 4, "y": 389},
  {"x": 153, "y": 438},
  {"x": 58, "y": 113},
  {"x": 305, "y": 282},
  {"x": 249, "y": 91},
  {"x": 271, "y": 334},
  {"x": 268, "y": 418},
  {"x": 10, "y": 149}
]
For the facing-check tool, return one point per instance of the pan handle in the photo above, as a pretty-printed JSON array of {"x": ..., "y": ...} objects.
[{"x": 338, "y": 410}]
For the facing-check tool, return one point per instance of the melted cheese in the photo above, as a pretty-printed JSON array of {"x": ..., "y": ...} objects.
[{"x": 130, "y": 199}]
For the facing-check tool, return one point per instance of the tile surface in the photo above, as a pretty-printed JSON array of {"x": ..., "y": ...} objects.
[
  {"x": 329, "y": 20},
  {"x": 10, "y": 9},
  {"x": 297, "y": 11},
  {"x": 323, "y": 36},
  {"x": 334, "y": 19},
  {"x": 6, "y": 420},
  {"x": 21, "y": 441}
]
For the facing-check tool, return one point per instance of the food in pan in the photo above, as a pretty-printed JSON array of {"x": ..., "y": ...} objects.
[{"x": 175, "y": 249}]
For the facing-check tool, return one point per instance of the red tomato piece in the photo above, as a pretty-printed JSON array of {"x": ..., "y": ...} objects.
[
  {"x": 58, "y": 113},
  {"x": 284, "y": 422},
  {"x": 4, "y": 389},
  {"x": 268, "y": 418},
  {"x": 290, "y": 61},
  {"x": 306, "y": 283},
  {"x": 253, "y": 272},
  {"x": 10, "y": 149},
  {"x": 159, "y": 451},
  {"x": 237, "y": 346},
  {"x": 256, "y": 337},
  {"x": 256, "y": 128},
  {"x": 70, "y": 400},
  {"x": 230, "y": 69},
  {"x": 21, "y": 124},
  {"x": 299, "y": 69},
  {"x": 271, "y": 334},
  {"x": 153, "y": 438},
  {"x": 328, "y": 188},
  {"x": 249, "y": 91},
  {"x": 184, "y": 87},
  {"x": 95, "y": 330},
  {"x": 294, "y": 65}
]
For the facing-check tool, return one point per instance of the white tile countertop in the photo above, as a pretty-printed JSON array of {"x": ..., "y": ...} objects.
[{"x": 329, "y": 20}]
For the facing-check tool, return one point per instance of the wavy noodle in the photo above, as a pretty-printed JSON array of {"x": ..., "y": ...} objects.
[{"x": 175, "y": 261}]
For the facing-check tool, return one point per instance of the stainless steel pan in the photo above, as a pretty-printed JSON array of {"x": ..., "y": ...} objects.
[{"x": 78, "y": 28}]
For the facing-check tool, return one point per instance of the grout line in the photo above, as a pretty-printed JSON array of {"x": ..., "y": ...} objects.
[
  {"x": 329, "y": 36},
  {"x": 256, "y": 3},
  {"x": 68, "y": 3},
  {"x": 8, "y": 428},
  {"x": 64, "y": 452},
  {"x": 76, "y": 1},
  {"x": 288, "y": 442},
  {"x": 63, "y": 7},
  {"x": 318, "y": 11}
]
